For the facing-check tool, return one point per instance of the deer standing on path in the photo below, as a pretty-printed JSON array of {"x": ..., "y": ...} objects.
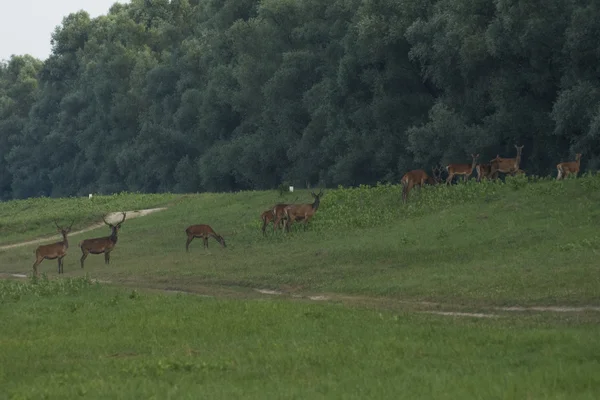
[
  {"x": 53, "y": 251},
  {"x": 101, "y": 245},
  {"x": 202, "y": 231},
  {"x": 567, "y": 168}
]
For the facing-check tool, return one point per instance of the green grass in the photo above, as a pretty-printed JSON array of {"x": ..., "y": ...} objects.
[
  {"x": 468, "y": 247},
  {"x": 521, "y": 242},
  {"x": 71, "y": 338},
  {"x": 27, "y": 219}
]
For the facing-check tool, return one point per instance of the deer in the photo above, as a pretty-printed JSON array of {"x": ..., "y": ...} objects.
[
  {"x": 567, "y": 168},
  {"x": 53, "y": 251},
  {"x": 483, "y": 171},
  {"x": 277, "y": 212},
  {"x": 417, "y": 177},
  {"x": 268, "y": 217},
  {"x": 461, "y": 169},
  {"x": 302, "y": 212},
  {"x": 202, "y": 231},
  {"x": 103, "y": 244},
  {"x": 506, "y": 165}
]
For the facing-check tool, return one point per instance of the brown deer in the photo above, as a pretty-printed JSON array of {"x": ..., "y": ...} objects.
[
  {"x": 302, "y": 212},
  {"x": 461, "y": 169},
  {"x": 506, "y": 165},
  {"x": 268, "y": 217},
  {"x": 101, "y": 245},
  {"x": 417, "y": 177},
  {"x": 483, "y": 171},
  {"x": 278, "y": 215},
  {"x": 202, "y": 231},
  {"x": 53, "y": 251},
  {"x": 567, "y": 168}
]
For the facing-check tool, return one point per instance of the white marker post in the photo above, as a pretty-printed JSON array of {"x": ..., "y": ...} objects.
[{"x": 291, "y": 189}]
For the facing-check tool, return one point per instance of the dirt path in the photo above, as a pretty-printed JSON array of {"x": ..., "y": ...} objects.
[
  {"x": 426, "y": 307},
  {"x": 112, "y": 217}
]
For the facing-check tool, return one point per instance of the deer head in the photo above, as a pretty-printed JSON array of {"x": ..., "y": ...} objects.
[
  {"x": 63, "y": 230},
  {"x": 115, "y": 228}
]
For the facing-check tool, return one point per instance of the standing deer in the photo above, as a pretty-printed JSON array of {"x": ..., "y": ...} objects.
[
  {"x": 417, "y": 177},
  {"x": 268, "y": 217},
  {"x": 301, "y": 212},
  {"x": 278, "y": 214},
  {"x": 202, "y": 231},
  {"x": 101, "y": 245},
  {"x": 506, "y": 165},
  {"x": 483, "y": 171},
  {"x": 567, "y": 168},
  {"x": 461, "y": 169},
  {"x": 53, "y": 251}
]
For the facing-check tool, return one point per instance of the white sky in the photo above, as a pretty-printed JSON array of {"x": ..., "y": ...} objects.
[{"x": 26, "y": 25}]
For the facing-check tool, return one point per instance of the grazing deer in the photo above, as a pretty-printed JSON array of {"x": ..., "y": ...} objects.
[
  {"x": 567, "y": 168},
  {"x": 204, "y": 232},
  {"x": 302, "y": 212},
  {"x": 101, "y": 245},
  {"x": 53, "y": 251},
  {"x": 506, "y": 165},
  {"x": 417, "y": 177},
  {"x": 461, "y": 169}
]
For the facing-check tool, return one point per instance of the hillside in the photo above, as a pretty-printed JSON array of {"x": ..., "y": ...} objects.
[{"x": 523, "y": 242}]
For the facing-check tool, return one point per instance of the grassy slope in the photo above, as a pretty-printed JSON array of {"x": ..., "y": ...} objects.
[
  {"x": 477, "y": 245},
  {"x": 110, "y": 343},
  {"x": 469, "y": 244}
]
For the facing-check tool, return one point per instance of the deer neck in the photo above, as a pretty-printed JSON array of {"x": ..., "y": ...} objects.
[
  {"x": 316, "y": 203},
  {"x": 473, "y": 166},
  {"x": 113, "y": 236},
  {"x": 65, "y": 241}
]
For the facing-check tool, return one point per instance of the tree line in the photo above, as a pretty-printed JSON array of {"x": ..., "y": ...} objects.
[{"x": 223, "y": 95}]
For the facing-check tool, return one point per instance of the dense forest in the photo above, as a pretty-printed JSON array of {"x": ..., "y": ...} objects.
[{"x": 221, "y": 95}]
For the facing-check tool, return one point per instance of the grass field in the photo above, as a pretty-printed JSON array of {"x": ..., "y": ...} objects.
[{"x": 469, "y": 248}]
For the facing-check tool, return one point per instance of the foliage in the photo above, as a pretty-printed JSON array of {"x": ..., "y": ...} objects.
[
  {"x": 184, "y": 96},
  {"x": 13, "y": 291}
]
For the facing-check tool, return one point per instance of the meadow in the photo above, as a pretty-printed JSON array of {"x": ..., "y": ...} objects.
[{"x": 239, "y": 321}]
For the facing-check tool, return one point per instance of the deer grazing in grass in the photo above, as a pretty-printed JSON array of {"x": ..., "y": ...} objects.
[
  {"x": 301, "y": 212},
  {"x": 461, "y": 169},
  {"x": 418, "y": 177},
  {"x": 103, "y": 244},
  {"x": 506, "y": 165},
  {"x": 567, "y": 168},
  {"x": 53, "y": 251},
  {"x": 202, "y": 231}
]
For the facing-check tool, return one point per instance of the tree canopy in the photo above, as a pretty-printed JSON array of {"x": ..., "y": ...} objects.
[{"x": 207, "y": 95}]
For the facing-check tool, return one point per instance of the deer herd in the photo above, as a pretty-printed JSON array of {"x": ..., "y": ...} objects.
[
  {"x": 510, "y": 166},
  {"x": 283, "y": 215}
]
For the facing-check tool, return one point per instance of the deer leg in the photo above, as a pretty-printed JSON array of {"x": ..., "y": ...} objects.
[
  {"x": 107, "y": 257},
  {"x": 264, "y": 226},
  {"x": 205, "y": 242},
  {"x": 187, "y": 243},
  {"x": 59, "y": 264},
  {"x": 449, "y": 179},
  {"x": 83, "y": 256},
  {"x": 35, "y": 265}
]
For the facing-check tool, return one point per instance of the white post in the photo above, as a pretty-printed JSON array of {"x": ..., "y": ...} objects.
[{"x": 291, "y": 189}]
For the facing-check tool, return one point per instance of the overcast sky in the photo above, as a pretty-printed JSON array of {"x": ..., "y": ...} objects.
[{"x": 26, "y": 25}]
